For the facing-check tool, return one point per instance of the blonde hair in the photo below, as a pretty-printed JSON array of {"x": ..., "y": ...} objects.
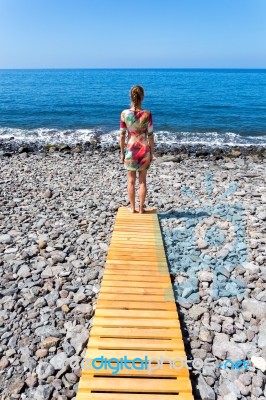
[{"x": 136, "y": 94}]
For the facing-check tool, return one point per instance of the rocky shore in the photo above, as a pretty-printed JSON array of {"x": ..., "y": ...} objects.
[{"x": 57, "y": 214}]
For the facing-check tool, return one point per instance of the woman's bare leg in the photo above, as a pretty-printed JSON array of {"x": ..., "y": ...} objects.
[
  {"x": 131, "y": 188},
  {"x": 142, "y": 190}
]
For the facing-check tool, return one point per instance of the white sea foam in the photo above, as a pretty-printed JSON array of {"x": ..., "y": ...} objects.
[
  {"x": 48, "y": 135},
  {"x": 71, "y": 136},
  {"x": 196, "y": 138}
]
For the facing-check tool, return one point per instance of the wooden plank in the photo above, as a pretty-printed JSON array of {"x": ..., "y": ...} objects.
[
  {"x": 125, "y": 298},
  {"x": 156, "y": 235},
  {"x": 136, "y": 290},
  {"x": 136, "y": 305},
  {"x": 136, "y": 235},
  {"x": 114, "y": 272},
  {"x": 136, "y": 247},
  {"x": 132, "y": 254},
  {"x": 131, "y": 283},
  {"x": 129, "y": 252},
  {"x": 136, "y": 317},
  {"x": 140, "y": 258},
  {"x": 153, "y": 314},
  {"x": 134, "y": 322},
  {"x": 130, "y": 262},
  {"x": 133, "y": 332},
  {"x": 156, "y": 269},
  {"x": 133, "y": 385},
  {"x": 136, "y": 278},
  {"x": 140, "y": 344},
  {"x": 133, "y": 396}
]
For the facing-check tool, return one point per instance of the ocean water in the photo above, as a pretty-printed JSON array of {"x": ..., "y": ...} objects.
[{"x": 198, "y": 106}]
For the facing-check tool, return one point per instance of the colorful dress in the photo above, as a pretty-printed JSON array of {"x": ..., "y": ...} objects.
[{"x": 139, "y": 126}]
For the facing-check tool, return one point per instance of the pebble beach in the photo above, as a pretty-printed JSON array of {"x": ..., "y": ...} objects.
[{"x": 57, "y": 214}]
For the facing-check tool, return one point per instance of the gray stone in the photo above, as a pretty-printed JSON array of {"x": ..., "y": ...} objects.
[
  {"x": 262, "y": 216},
  {"x": 261, "y": 296},
  {"x": 84, "y": 308},
  {"x": 4, "y": 363},
  {"x": 205, "y": 276},
  {"x": 220, "y": 343},
  {"x": 228, "y": 328},
  {"x": 50, "y": 272},
  {"x": 31, "y": 381},
  {"x": 245, "y": 378},
  {"x": 42, "y": 392},
  {"x": 228, "y": 387},
  {"x": 202, "y": 244},
  {"x": 68, "y": 349},
  {"x": 52, "y": 296},
  {"x": 205, "y": 335},
  {"x": 262, "y": 335},
  {"x": 215, "y": 327},
  {"x": 40, "y": 303},
  {"x": 6, "y": 239},
  {"x": 58, "y": 361},
  {"x": 16, "y": 385},
  {"x": 248, "y": 348},
  {"x": 44, "y": 369},
  {"x": 230, "y": 396},
  {"x": 255, "y": 307},
  {"x": 91, "y": 274},
  {"x": 24, "y": 271},
  {"x": 78, "y": 297},
  {"x": 58, "y": 256},
  {"x": 199, "y": 353},
  {"x": 205, "y": 390},
  {"x": 46, "y": 331},
  {"x": 240, "y": 337},
  {"x": 78, "y": 335},
  {"x": 251, "y": 268},
  {"x": 234, "y": 352},
  {"x": 10, "y": 250},
  {"x": 258, "y": 381},
  {"x": 245, "y": 390},
  {"x": 259, "y": 363},
  {"x": 71, "y": 378},
  {"x": 257, "y": 392},
  {"x": 74, "y": 362},
  {"x": 196, "y": 311}
]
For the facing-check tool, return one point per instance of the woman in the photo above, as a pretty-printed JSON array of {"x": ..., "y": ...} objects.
[{"x": 140, "y": 145}]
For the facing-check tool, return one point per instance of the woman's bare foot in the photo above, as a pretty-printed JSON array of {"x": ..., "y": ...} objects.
[
  {"x": 142, "y": 211},
  {"x": 132, "y": 210}
]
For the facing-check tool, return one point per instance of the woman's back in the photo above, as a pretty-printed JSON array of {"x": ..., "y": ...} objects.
[{"x": 137, "y": 123}]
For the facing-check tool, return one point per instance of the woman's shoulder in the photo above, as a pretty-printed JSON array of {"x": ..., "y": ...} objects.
[{"x": 130, "y": 110}]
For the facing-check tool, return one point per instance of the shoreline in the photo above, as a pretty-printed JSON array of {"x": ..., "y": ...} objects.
[{"x": 209, "y": 151}]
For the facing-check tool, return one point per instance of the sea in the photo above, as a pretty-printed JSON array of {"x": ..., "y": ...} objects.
[{"x": 214, "y": 107}]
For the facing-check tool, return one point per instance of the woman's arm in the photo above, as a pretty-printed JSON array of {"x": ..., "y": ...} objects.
[
  {"x": 151, "y": 143},
  {"x": 123, "y": 130},
  {"x": 122, "y": 145},
  {"x": 150, "y": 135}
]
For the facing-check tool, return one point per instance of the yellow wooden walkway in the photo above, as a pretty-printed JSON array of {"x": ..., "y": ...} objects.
[{"x": 134, "y": 318}]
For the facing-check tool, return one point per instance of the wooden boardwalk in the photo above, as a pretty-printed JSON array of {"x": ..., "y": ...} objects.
[{"x": 134, "y": 318}]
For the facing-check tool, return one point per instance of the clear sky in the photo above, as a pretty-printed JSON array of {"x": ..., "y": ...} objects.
[{"x": 132, "y": 34}]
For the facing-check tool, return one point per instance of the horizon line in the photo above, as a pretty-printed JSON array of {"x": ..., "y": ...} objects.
[{"x": 136, "y": 68}]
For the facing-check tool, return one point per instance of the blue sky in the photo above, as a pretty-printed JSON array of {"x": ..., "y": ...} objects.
[{"x": 132, "y": 34}]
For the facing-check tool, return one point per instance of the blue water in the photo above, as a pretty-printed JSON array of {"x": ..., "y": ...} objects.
[{"x": 188, "y": 106}]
